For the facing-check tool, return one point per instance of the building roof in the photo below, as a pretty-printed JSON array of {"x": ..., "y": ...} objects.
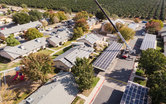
[
  {"x": 62, "y": 90},
  {"x": 64, "y": 34},
  {"x": 148, "y": 42},
  {"x": 19, "y": 28},
  {"x": 163, "y": 34},
  {"x": 25, "y": 48},
  {"x": 69, "y": 57},
  {"x": 133, "y": 26},
  {"x": 91, "y": 38},
  {"x": 105, "y": 59},
  {"x": 163, "y": 30},
  {"x": 92, "y": 21},
  {"x": 135, "y": 94}
]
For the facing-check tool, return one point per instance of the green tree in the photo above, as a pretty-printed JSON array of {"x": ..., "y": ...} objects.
[
  {"x": 80, "y": 15},
  {"x": 3, "y": 6},
  {"x": 23, "y": 5},
  {"x": 83, "y": 73},
  {"x": 152, "y": 60},
  {"x": 11, "y": 41},
  {"x": 78, "y": 32},
  {"x": 37, "y": 66},
  {"x": 83, "y": 24},
  {"x": 21, "y": 18},
  {"x": 61, "y": 15},
  {"x": 156, "y": 82},
  {"x": 127, "y": 33},
  {"x": 46, "y": 14},
  {"x": 53, "y": 19},
  {"x": 114, "y": 16},
  {"x": 100, "y": 15},
  {"x": 35, "y": 15},
  {"x": 33, "y": 33}
]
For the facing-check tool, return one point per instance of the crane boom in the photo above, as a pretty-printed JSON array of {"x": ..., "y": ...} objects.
[{"x": 120, "y": 35}]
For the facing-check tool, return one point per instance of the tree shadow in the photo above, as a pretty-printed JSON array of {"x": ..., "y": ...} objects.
[{"x": 138, "y": 45}]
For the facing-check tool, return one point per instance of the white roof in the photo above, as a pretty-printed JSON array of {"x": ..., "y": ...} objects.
[
  {"x": 62, "y": 91},
  {"x": 24, "y": 48},
  {"x": 91, "y": 38},
  {"x": 69, "y": 57},
  {"x": 148, "y": 42},
  {"x": 133, "y": 26},
  {"x": 19, "y": 28}
]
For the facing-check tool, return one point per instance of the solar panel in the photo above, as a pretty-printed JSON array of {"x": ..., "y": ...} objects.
[
  {"x": 106, "y": 58},
  {"x": 148, "y": 42},
  {"x": 135, "y": 94}
]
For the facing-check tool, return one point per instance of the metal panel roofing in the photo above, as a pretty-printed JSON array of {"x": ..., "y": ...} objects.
[
  {"x": 25, "y": 48},
  {"x": 148, "y": 42},
  {"x": 106, "y": 58},
  {"x": 91, "y": 38},
  {"x": 19, "y": 28},
  {"x": 135, "y": 94},
  {"x": 69, "y": 57},
  {"x": 62, "y": 91}
]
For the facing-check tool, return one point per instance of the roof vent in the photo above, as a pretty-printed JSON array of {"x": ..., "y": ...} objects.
[
  {"x": 22, "y": 47},
  {"x": 38, "y": 40},
  {"x": 29, "y": 100}
]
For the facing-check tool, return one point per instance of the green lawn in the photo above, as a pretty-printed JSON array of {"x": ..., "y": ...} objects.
[
  {"x": 140, "y": 81},
  {"x": 78, "y": 100},
  {"x": 87, "y": 92},
  {"x": 66, "y": 44},
  {"x": 61, "y": 52},
  {"x": 6, "y": 64},
  {"x": 46, "y": 51}
]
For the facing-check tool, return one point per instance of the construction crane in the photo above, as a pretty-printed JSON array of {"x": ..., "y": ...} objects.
[{"x": 120, "y": 35}]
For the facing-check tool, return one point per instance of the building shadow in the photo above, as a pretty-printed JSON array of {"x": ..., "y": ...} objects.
[{"x": 115, "y": 97}]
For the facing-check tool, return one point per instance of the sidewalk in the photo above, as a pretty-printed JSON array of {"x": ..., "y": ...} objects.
[{"x": 93, "y": 94}]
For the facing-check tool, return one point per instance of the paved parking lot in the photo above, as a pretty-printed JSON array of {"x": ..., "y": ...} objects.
[{"x": 108, "y": 95}]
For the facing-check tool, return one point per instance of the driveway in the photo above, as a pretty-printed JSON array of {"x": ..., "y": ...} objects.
[{"x": 108, "y": 95}]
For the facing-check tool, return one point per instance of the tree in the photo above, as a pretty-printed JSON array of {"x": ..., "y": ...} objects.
[
  {"x": 35, "y": 15},
  {"x": 6, "y": 95},
  {"x": 53, "y": 19},
  {"x": 83, "y": 24},
  {"x": 21, "y": 18},
  {"x": 3, "y": 6},
  {"x": 80, "y": 15},
  {"x": 44, "y": 23},
  {"x": 78, "y": 32},
  {"x": 100, "y": 15},
  {"x": 46, "y": 14},
  {"x": 114, "y": 16},
  {"x": 83, "y": 73},
  {"x": 152, "y": 60},
  {"x": 136, "y": 20},
  {"x": 153, "y": 26},
  {"x": 119, "y": 25},
  {"x": 37, "y": 66},
  {"x": 127, "y": 33},
  {"x": 156, "y": 82},
  {"x": 61, "y": 16},
  {"x": 23, "y": 5},
  {"x": 11, "y": 41},
  {"x": 33, "y": 33},
  {"x": 109, "y": 28}
]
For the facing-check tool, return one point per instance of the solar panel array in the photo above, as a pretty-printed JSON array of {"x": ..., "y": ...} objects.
[
  {"x": 106, "y": 58},
  {"x": 135, "y": 94},
  {"x": 148, "y": 42}
]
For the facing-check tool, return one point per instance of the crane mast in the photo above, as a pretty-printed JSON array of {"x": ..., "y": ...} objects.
[{"x": 120, "y": 35}]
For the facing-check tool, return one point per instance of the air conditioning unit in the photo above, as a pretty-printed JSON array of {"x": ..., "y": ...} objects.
[{"x": 29, "y": 100}]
